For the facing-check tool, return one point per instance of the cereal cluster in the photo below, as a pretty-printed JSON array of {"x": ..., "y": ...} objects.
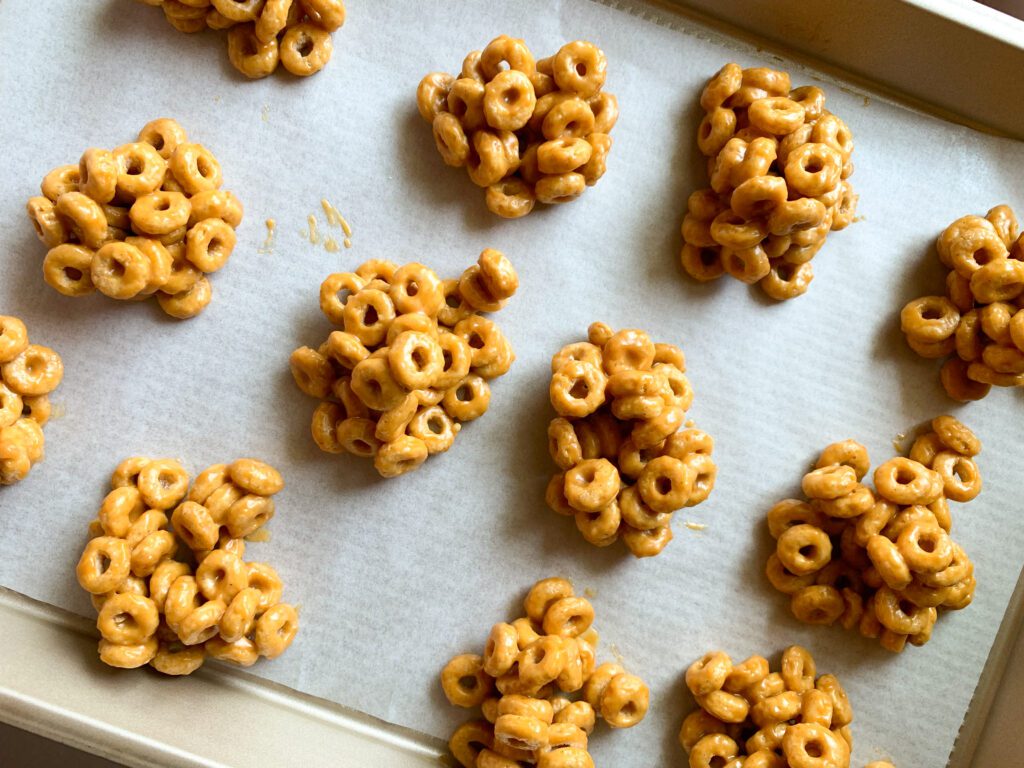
[
  {"x": 28, "y": 374},
  {"x": 148, "y": 218},
  {"x": 881, "y": 562},
  {"x": 533, "y": 663},
  {"x": 979, "y": 323},
  {"x": 779, "y": 166},
  {"x": 170, "y": 607},
  {"x": 263, "y": 33},
  {"x": 525, "y": 130},
  {"x": 621, "y": 401},
  {"x": 750, "y": 716},
  {"x": 412, "y": 363}
]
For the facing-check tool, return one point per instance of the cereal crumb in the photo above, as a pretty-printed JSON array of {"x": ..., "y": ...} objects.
[
  {"x": 265, "y": 113},
  {"x": 695, "y": 526},
  {"x": 590, "y": 593}
]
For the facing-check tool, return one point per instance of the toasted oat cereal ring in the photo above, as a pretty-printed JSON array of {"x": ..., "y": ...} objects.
[
  {"x": 702, "y": 264},
  {"x": 510, "y": 198},
  {"x": 560, "y": 188},
  {"x": 798, "y": 669},
  {"x": 594, "y": 169},
  {"x": 140, "y": 170},
  {"x": 1003, "y": 359},
  {"x": 127, "y": 619},
  {"x": 464, "y": 682},
  {"x": 62, "y": 179},
  {"x": 727, "y": 707},
  {"x": 649, "y": 433},
  {"x": 898, "y": 614},
  {"x": 67, "y": 269},
  {"x": 625, "y": 701},
  {"x": 195, "y": 168},
  {"x": 164, "y": 135},
  {"x": 163, "y": 483},
  {"x": 187, "y": 303},
  {"x": 696, "y": 726},
  {"x": 721, "y": 86},
  {"x": 708, "y": 673},
  {"x": 255, "y": 476},
  {"x": 628, "y": 348},
  {"x": 1016, "y": 329},
  {"x": 716, "y": 128},
  {"x": 580, "y": 67},
  {"x": 503, "y": 50},
  {"x": 36, "y": 370},
  {"x": 119, "y": 510},
  {"x": 50, "y": 227},
  {"x": 998, "y": 280},
  {"x": 159, "y": 213},
  {"x": 367, "y": 315},
  {"x": 813, "y": 169},
  {"x": 790, "y": 512},
  {"x": 777, "y": 709},
  {"x": 733, "y": 231},
  {"x": 818, "y": 604},
  {"x": 182, "y": 274},
  {"x": 637, "y": 514},
  {"x": 748, "y": 265},
  {"x": 128, "y": 656},
  {"x": 973, "y": 247},
  {"x": 829, "y": 482},
  {"x": 335, "y": 291},
  {"x": 305, "y": 49},
  {"x": 97, "y": 175},
  {"x": 777, "y": 115},
  {"x": 812, "y": 99},
  {"x": 160, "y": 263},
  {"x": 11, "y": 406},
  {"x": 666, "y": 483},
  {"x": 906, "y": 482},
  {"x": 221, "y": 575},
  {"x": 457, "y": 359},
  {"x": 435, "y": 428},
  {"x": 416, "y": 288},
  {"x": 960, "y": 476},
  {"x": 431, "y": 94},
  {"x": 854, "y": 504},
  {"x": 591, "y": 485},
  {"x": 83, "y": 217},
  {"x": 886, "y": 558},
  {"x": 468, "y": 399},
  {"x": 194, "y": 525},
  {"x": 276, "y": 629},
  {"x": 848, "y": 453},
  {"x": 599, "y": 528},
  {"x": 995, "y": 321},
  {"x": 509, "y": 100},
  {"x": 104, "y": 565},
  {"x": 249, "y": 514},
  {"x": 808, "y": 745},
  {"x": 577, "y": 389},
  {"x": 399, "y": 456},
  {"x": 492, "y": 156},
  {"x": 804, "y": 549},
  {"x": 645, "y": 543},
  {"x": 470, "y": 740},
  {"x": 925, "y": 547},
  {"x": 326, "y": 14},
  {"x": 985, "y": 374},
  {"x": 239, "y": 10},
  {"x": 930, "y": 318},
  {"x": 758, "y": 196},
  {"x": 250, "y": 54},
  {"x": 416, "y": 359},
  {"x": 956, "y": 436}
]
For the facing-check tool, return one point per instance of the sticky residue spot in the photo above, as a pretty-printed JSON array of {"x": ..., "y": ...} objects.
[
  {"x": 617, "y": 654},
  {"x": 58, "y": 411},
  {"x": 260, "y": 536},
  {"x": 313, "y": 234},
  {"x": 897, "y": 442},
  {"x": 690, "y": 423},
  {"x": 268, "y": 243},
  {"x": 695, "y": 526},
  {"x": 867, "y": 101},
  {"x": 331, "y": 245},
  {"x": 590, "y": 593},
  {"x": 265, "y": 113}
]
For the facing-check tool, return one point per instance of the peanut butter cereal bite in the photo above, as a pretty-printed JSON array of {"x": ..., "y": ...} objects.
[
  {"x": 412, "y": 361},
  {"x": 626, "y": 460},
  {"x": 525, "y": 129},
  {"x": 28, "y": 374},
  {"x": 147, "y": 219},
  {"x": 978, "y": 324},
  {"x": 539, "y": 688},
  {"x": 779, "y": 165},
  {"x": 166, "y": 571},
  {"x": 879, "y": 561},
  {"x": 264, "y": 33},
  {"x": 750, "y": 716}
]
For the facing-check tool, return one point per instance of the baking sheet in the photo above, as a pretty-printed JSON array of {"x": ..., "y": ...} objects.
[{"x": 395, "y": 577}]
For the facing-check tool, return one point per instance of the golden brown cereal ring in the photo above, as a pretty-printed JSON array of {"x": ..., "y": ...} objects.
[
  {"x": 807, "y": 745},
  {"x": 60, "y": 180},
  {"x": 104, "y": 565},
  {"x": 960, "y": 476},
  {"x": 251, "y": 55},
  {"x": 140, "y": 170},
  {"x": 399, "y": 456},
  {"x": 164, "y": 135},
  {"x": 97, "y": 175},
  {"x": 591, "y": 485},
  {"x": 956, "y": 436},
  {"x": 891, "y": 566},
  {"x": 209, "y": 245},
  {"x": 187, "y": 303},
  {"x": 849, "y": 453},
  {"x": 804, "y": 549},
  {"x": 128, "y": 656},
  {"x": 50, "y": 228},
  {"x": 721, "y": 86},
  {"x": 127, "y": 619},
  {"x": 83, "y": 217},
  {"x": 930, "y": 318},
  {"x": 645, "y": 543},
  {"x": 464, "y": 682},
  {"x": 906, "y": 482},
  {"x": 798, "y": 669},
  {"x": 509, "y": 101},
  {"x": 432, "y": 95},
  {"x": 195, "y": 168},
  {"x": 956, "y": 383},
  {"x": 305, "y": 49},
  {"x": 163, "y": 483},
  {"x": 819, "y": 604},
  {"x": 36, "y": 370},
  {"x": 708, "y": 673}
]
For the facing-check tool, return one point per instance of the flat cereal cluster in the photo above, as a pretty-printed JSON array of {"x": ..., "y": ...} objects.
[
  {"x": 752, "y": 717},
  {"x": 536, "y": 130},
  {"x": 533, "y": 663},
  {"x": 148, "y": 218},
  {"x": 264, "y": 33},
  {"x": 979, "y": 323},
  {"x": 172, "y": 613},
  {"x": 779, "y": 166},
  {"x": 412, "y": 363},
  {"x": 881, "y": 562},
  {"x": 28, "y": 374},
  {"x": 621, "y": 401}
]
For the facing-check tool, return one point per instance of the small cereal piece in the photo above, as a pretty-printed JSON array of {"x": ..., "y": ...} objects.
[
  {"x": 830, "y": 482},
  {"x": 904, "y": 481},
  {"x": 464, "y": 682},
  {"x": 163, "y": 483},
  {"x": 35, "y": 370},
  {"x": 256, "y": 477},
  {"x": 275, "y": 630}
]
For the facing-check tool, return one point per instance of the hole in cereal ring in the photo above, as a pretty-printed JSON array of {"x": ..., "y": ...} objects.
[
  {"x": 448, "y": 359},
  {"x": 581, "y": 69},
  {"x": 904, "y": 476},
  {"x": 931, "y": 313},
  {"x": 305, "y": 46},
  {"x": 102, "y": 563},
  {"x": 204, "y": 166},
  {"x": 808, "y": 550},
  {"x": 926, "y": 544},
  {"x": 708, "y": 256},
  {"x": 117, "y": 268},
  {"x": 908, "y": 607},
  {"x": 663, "y": 485},
  {"x": 453, "y": 300},
  {"x": 362, "y": 445},
  {"x": 814, "y": 749},
  {"x": 370, "y": 316},
  {"x": 579, "y": 390},
  {"x": 134, "y": 166},
  {"x": 511, "y": 95},
  {"x": 464, "y": 394},
  {"x": 814, "y": 166},
  {"x": 475, "y": 341},
  {"x": 412, "y": 288},
  {"x": 163, "y": 204},
  {"x": 435, "y": 425},
  {"x": 982, "y": 256},
  {"x": 419, "y": 358},
  {"x": 72, "y": 274},
  {"x": 571, "y": 126},
  {"x": 374, "y": 386}
]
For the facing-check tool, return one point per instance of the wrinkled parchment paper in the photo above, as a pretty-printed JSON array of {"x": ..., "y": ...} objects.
[{"x": 394, "y": 577}]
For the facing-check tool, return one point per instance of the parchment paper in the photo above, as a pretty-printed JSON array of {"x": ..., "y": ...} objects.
[{"x": 394, "y": 577}]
